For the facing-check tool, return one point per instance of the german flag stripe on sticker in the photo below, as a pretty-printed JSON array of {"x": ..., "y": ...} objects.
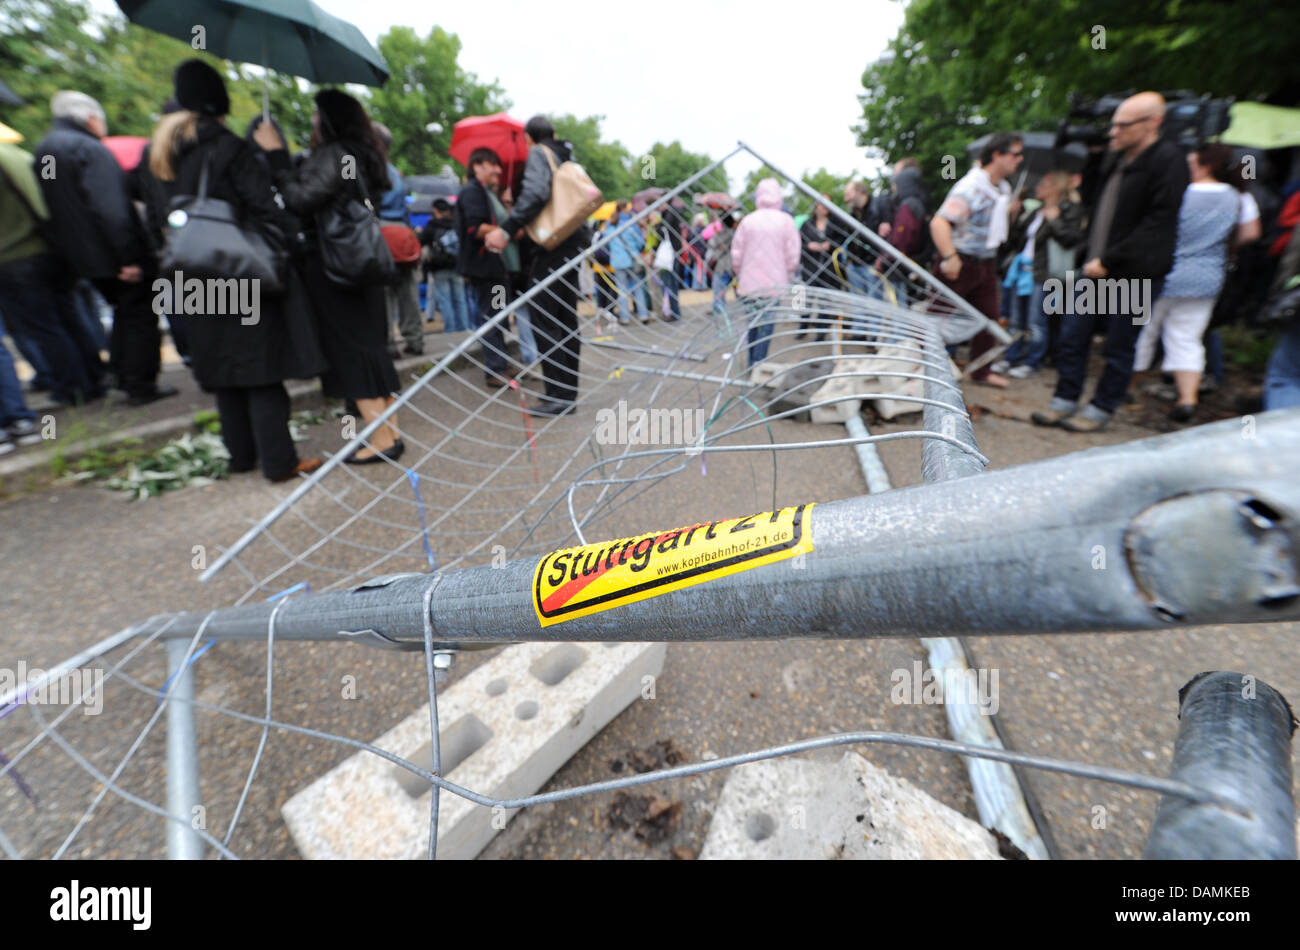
[{"x": 585, "y": 580}]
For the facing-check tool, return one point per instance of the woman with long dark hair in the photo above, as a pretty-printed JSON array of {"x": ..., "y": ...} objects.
[
  {"x": 242, "y": 358},
  {"x": 345, "y": 154}
]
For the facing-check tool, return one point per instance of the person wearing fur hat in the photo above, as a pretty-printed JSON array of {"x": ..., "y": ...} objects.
[
  {"x": 242, "y": 359},
  {"x": 353, "y": 322}
]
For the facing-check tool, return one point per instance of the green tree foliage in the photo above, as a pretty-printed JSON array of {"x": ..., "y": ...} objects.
[
  {"x": 961, "y": 68},
  {"x": 427, "y": 85},
  {"x": 672, "y": 165},
  {"x": 48, "y": 45},
  {"x": 608, "y": 163}
]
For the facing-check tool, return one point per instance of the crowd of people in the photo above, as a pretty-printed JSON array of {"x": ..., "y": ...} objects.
[
  {"x": 1142, "y": 262},
  {"x": 76, "y": 225},
  {"x": 77, "y": 229}
]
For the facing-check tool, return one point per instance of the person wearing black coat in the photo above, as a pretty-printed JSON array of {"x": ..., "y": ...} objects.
[
  {"x": 345, "y": 164},
  {"x": 241, "y": 355},
  {"x": 819, "y": 237},
  {"x": 1131, "y": 234},
  {"x": 96, "y": 233},
  {"x": 485, "y": 270},
  {"x": 555, "y": 312}
]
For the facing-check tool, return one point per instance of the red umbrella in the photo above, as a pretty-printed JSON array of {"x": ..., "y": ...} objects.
[
  {"x": 499, "y": 132},
  {"x": 127, "y": 149},
  {"x": 646, "y": 197},
  {"x": 716, "y": 199}
]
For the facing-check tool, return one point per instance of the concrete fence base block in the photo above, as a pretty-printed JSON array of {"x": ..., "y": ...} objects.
[
  {"x": 802, "y": 810},
  {"x": 504, "y": 731}
]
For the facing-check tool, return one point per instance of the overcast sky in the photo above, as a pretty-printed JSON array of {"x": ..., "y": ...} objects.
[{"x": 782, "y": 75}]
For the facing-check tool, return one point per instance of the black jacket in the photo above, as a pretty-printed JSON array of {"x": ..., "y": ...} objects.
[
  {"x": 474, "y": 208},
  {"x": 816, "y": 266},
  {"x": 1142, "y": 233},
  {"x": 330, "y": 174},
  {"x": 92, "y": 225},
  {"x": 534, "y": 193},
  {"x": 282, "y": 343},
  {"x": 431, "y": 237},
  {"x": 1067, "y": 230}
]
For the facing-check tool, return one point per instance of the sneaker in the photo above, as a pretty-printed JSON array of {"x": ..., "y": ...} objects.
[
  {"x": 1091, "y": 419},
  {"x": 1057, "y": 412},
  {"x": 1022, "y": 372},
  {"x": 1208, "y": 385},
  {"x": 1166, "y": 392},
  {"x": 6, "y": 444},
  {"x": 1000, "y": 367},
  {"x": 24, "y": 432}
]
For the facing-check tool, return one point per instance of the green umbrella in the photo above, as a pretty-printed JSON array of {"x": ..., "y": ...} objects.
[
  {"x": 290, "y": 36},
  {"x": 1256, "y": 125}
]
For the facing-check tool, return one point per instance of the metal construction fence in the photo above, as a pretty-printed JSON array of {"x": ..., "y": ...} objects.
[{"x": 687, "y": 396}]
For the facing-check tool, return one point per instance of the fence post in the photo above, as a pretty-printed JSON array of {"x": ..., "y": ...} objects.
[
  {"x": 1234, "y": 740},
  {"x": 182, "y": 756}
]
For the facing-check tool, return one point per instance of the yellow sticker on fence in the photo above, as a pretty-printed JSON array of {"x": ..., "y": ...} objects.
[{"x": 585, "y": 580}]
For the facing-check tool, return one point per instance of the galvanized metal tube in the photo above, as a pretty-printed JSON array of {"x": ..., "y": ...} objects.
[
  {"x": 183, "y": 844},
  {"x": 1068, "y": 533},
  {"x": 1234, "y": 739}
]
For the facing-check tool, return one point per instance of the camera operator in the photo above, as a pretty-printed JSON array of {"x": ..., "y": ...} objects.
[{"x": 1131, "y": 236}]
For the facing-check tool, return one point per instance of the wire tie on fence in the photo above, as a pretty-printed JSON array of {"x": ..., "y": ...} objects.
[
  {"x": 414, "y": 478},
  {"x": 616, "y": 374},
  {"x": 528, "y": 427},
  {"x": 18, "y": 779},
  {"x": 303, "y": 586},
  {"x": 168, "y": 681}
]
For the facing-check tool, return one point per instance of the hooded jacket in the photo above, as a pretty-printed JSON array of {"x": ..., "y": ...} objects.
[
  {"x": 92, "y": 224},
  {"x": 623, "y": 250},
  {"x": 765, "y": 249},
  {"x": 911, "y": 213}
]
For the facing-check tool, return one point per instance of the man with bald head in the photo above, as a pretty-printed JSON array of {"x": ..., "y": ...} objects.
[{"x": 1131, "y": 235}]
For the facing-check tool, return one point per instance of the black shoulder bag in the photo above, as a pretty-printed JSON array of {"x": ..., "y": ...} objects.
[
  {"x": 205, "y": 239},
  {"x": 352, "y": 245}
]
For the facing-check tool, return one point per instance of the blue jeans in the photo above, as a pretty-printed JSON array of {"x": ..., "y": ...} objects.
[
  {"x": 449, "y": 295},
  {"x": 39, "y": 305},
  {"x": 1282, "y": 379},
  {"x": 670, "y": 291},
  {"x": 628, "y": 283},
  {"x": 760, "y": 328},
  {"x": 1027, "y": 316},
  {"x": 527, "y": 343},
  {"x": 1214, "y": 356},
  {"x": 471, "y": 303},
  {"x": 1077, "y": 331},
  {"x": 721, "y": 281},
  {"x": 12, "y": 405}
]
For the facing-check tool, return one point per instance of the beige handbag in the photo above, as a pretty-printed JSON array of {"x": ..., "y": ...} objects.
[{"x": 574, "y": 197}]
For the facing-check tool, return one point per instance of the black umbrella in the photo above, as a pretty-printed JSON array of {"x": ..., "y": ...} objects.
[
  {"x": 432, "y": 185},
  {"x": 1040, "y": 155}
]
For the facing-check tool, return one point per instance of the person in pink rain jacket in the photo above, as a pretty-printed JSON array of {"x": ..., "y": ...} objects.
[{"x": 765, "y": 258}]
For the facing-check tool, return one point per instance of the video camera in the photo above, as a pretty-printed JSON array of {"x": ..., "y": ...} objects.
[{"x": 1189, "y": 119}]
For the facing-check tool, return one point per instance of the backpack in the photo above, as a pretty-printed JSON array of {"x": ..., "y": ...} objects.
[
  {"x": 926, "y": 254},
  {"x": 402, "y": 243},
  {"x": 444, "y": 250},
  {"x": 574, "y": 198}
]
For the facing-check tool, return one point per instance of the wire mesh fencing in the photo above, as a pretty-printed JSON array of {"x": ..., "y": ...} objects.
[{"x": 677, "y": 381}]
